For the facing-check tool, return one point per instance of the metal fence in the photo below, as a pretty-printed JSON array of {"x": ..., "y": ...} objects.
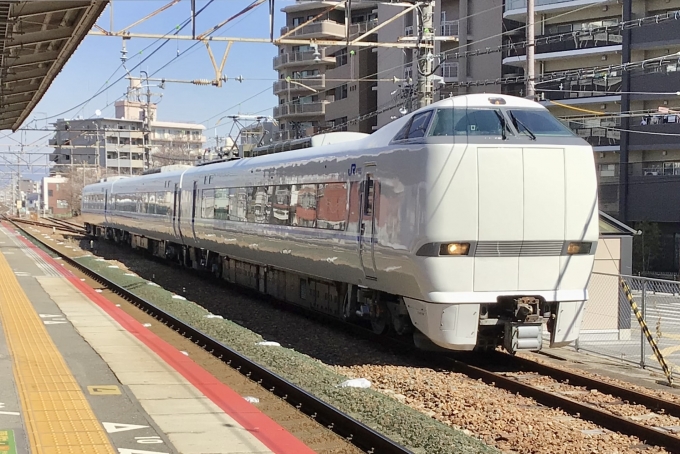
[{"x": 610, "y": 327}]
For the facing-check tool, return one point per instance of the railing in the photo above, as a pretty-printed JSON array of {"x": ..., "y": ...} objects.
[
  {"x": 581, "y": 88},
  {"x": 299, "y": 57},
  {"x": 326, "y": 27},
  {"x": 597, "y": 132},
  {"x": 312, "y": 108},
  {"x": 315, "y": 83},
  {"x": 578, "y": 40},
  {"x": 611, "y": 329},
  {"x": 363, "y": 27},
  {"x": 449, "y": 28},
  {"x": 522, "y": 4}
]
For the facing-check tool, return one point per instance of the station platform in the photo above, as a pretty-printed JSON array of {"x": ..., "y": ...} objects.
[{"x": 79, "y": 375}]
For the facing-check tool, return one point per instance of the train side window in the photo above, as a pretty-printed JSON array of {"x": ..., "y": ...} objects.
[
  {"x": 222, "y": 203},
  {"x": 208, "y": 204},
  {"x": 258, "y": 205},
  {"x": 332, "y": 206},
  {"x": 304, "y": 211},
  {"x": 282, "y": 212},
  {"x": 419, "y": 125}
]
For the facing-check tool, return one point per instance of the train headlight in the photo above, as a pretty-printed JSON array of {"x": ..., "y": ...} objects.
[
  {"x": 579, "y": 248},
  {"x": 454, "y": 249}
]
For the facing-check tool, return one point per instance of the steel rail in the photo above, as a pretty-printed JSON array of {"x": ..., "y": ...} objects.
[
  {"x": 576, "y": 379},
  {"x": 586, "y": 411},
  {"x": 355, "y": 432},
  {"x": 43, "y": 224},
  {"x": 65, "y": 222}
]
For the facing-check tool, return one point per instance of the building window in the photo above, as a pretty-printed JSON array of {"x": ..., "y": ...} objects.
[
  {"x": 339, "y": 123},
  {"x": 341, "y": 92},
  {"x": 298, "y": 21},
  {"x": 62, "y": 203},
  {"x": 341, "y": 57},
  {"x": 111, "y": 155},
  {"x": 607, "y": 170},
  {"x": 50, "y": 193}
]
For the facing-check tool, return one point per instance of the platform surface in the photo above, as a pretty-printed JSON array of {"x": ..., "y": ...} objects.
[{"x": 78, "y": 376}]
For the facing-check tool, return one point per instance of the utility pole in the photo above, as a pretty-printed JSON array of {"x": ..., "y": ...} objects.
[
  {"x": 147, "y": 122},
  {"x": 531, "y": 50},
  {"x": 424, "y": 57},
  {"x": 147, "y": 119}
]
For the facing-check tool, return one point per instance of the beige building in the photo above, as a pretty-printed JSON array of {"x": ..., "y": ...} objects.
[{"x": 332, "y": 92}]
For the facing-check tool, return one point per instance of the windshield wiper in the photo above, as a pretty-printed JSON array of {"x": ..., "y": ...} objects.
[
  {"x": 517, "y": 122},
  {"x": 502, "y": 119}
]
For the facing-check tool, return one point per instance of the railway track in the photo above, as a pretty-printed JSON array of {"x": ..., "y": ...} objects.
[
  {"x": 342, "y": 424},
  {"x": 522, "y": 384},
  {"x": 506, "y": 378}
]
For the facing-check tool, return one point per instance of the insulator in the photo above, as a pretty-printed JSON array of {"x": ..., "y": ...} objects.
[{"x": 201, "y": 82}]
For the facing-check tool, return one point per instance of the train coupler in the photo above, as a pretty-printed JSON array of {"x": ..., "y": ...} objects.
[{"x": 523, "y": 336}]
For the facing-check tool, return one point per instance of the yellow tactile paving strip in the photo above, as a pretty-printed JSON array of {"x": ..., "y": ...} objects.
[{"x": 58, "y": 418}]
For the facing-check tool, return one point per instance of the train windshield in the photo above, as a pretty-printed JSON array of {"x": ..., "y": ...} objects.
[
  {"x": 538, "y": 122},
  {"x": 468, "y": 122}
]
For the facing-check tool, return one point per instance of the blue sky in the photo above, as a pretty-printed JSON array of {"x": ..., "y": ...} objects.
[{"x": 96, "y": 63}]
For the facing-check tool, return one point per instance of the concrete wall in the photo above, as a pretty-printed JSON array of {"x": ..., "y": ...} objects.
[{"x": 607, "y": 314}]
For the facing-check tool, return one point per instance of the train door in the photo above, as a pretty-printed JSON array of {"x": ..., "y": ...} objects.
[
  {"x": 367, "y": 222},
  {"x": 177, "y": 229},
  {"x": 106, "y": 206},
  {"x": 196, "y": 201}
]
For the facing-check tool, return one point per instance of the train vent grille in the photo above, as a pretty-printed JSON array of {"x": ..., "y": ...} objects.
[{"x": 518, "y": 248}]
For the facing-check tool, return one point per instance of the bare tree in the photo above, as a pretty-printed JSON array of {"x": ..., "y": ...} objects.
[{"x": 78, "y": 177}]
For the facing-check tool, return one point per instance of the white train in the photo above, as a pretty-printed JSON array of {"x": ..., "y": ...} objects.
[{"x": 471, "y": 222}]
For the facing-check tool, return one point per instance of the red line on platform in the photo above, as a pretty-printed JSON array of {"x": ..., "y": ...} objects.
[{"x": 247, "y": 415}]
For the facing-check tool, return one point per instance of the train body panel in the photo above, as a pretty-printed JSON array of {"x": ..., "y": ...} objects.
[{"x": 453, "y": 223}]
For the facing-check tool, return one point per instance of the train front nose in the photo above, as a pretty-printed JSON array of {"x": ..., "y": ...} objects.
[{"x": 523, "y": 203}]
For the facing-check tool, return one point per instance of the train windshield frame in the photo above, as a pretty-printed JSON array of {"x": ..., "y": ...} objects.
[
  {"x": 491, "y": 122},
  {"x": 540, "y": 122}
]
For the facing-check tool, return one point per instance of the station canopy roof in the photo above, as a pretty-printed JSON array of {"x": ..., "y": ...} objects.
[{"x": 36, "y": 40}]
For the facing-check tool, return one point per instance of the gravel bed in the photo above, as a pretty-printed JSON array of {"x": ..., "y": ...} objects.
[
  {"x": 639, "y": 413},
  {"x": 399, "y": 422},
  {"x": 508, "y": 422},
  {"x": 661, "y": 394}
]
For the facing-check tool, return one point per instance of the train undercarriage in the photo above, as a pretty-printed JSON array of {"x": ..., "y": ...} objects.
[{"x": 513, "y": 323}]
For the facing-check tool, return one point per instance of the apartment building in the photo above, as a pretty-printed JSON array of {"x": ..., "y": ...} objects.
[
  {"x": 332, "y": 93},
  {"x": 320, "y": 87},
  {"x": 116, "y": 145},
  {"x": 637, "y": 142}
]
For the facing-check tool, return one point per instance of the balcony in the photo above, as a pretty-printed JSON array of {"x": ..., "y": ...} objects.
[
  {"x": 650, "y": 136},
  {"x": 321, "y": 29},
  {"x": 300, "y": 85},
  {"x": 582, "y": 88},
  {"x": 516, "y": 9},
  {"x": 558, "y": 43},
  {"x": 664, "y": 79},
  {"x": 449, "y": 28},
  {"x": 664, "y": 34},
  {"x": 598, "y": 132},
  {"x": 302, "y": 59},
  {"x": 311, "y": 109},
  {"x": 362, "y": 27}
]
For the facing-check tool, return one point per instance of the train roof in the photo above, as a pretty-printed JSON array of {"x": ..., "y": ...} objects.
[{"x": 379, "y": 138}]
